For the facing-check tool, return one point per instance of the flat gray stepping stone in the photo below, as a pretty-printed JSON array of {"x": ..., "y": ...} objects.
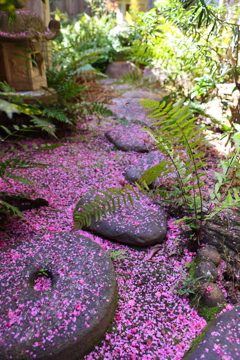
[
  {"x": 129, "y": 109},
  {"x": 127, "y": 106},
  {"x": 139, "y": 94},
  {"x": 146, "y": 162},
  {"x": 62, "y": 316},
  {"x": 221, "y": 341},
  {"x": 143, "y": 224},
  {"x": 130, "y": 138}
]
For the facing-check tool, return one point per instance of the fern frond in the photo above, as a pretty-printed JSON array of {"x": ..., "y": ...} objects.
[
  {"x": 100, "y": 109},
  {"x": 7, "y": 208},
  {"x": 100, "y": 205},
  {"x": 174, "y": 128},
  {"x": 44, "y": 124},
  {"x": 152, "y": 174}
]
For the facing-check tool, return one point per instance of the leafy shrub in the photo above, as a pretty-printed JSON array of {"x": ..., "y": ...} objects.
[{"x": 84, "y": 35}]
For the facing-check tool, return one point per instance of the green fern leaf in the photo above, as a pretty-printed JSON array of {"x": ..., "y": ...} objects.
[{"x": 44, "y": 125}]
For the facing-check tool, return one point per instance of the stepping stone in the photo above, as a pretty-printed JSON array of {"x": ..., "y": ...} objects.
[
  {"x": 221, "y": 340},
  {"x": 139, "y": 94},
  {"x": 127, "y": 106},
  {"x": 62, "y": 315},
  {"x": 146, "y": 162},
  {"x": 129, "y": 109},
  {"x": 130, "y": 138},
  {"x": 140, "y": 224},
  {"x": 115, "y": 69}
]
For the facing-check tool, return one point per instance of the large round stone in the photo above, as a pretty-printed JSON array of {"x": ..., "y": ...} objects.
[
  {"x": 140, "y": 223},
  {"x": 58, "y": 296},
  {"x": 130, "y": 138}
]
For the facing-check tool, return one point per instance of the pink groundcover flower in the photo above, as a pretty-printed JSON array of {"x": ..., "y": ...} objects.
[{"x": 42, "y": 284}]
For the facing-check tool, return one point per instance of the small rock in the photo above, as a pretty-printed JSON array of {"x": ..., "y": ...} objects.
[
  {"x": 130, "y": 138},
  {"x": 146, "y": 162},
  {"x": 209, "y": 253},
  {"x": 208, "y": 269},
  {"x": 116, "y": 69},
  {"x": 140, "y": 224},
  {"x": 213, "y": 295}
]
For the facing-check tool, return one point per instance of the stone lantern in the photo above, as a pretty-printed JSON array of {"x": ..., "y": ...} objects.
[{"x": 22, "y": 63}]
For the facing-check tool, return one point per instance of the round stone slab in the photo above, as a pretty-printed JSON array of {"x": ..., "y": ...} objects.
[
  {"x": 58, "y": 296},
  {"x": 130, "y": 138},
  {"x": 140, "y": 223}
]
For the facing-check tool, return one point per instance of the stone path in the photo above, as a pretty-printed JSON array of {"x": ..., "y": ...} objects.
[
  {"x": 222, "y": 337},
  {"x": 84, "y": 267}
]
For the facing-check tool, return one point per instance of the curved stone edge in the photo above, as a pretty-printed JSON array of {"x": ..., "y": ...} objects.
[
  {"x": 121, "y": 145},
  {"x": 216, "y": 341},
  {"x": 93, "y": 338}
]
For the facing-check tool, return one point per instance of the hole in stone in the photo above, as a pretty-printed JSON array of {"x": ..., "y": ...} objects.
[{"x": 41, "y": 280}]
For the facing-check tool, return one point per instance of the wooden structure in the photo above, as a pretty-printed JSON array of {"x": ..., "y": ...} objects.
[
  {"x": 71, "y": 7},
  {"x": 22, "y": 63}
]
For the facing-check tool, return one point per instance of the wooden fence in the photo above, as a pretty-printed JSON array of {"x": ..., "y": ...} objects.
[{"x": 71, "y": 7}]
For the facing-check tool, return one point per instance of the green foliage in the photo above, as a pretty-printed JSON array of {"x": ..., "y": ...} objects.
[
  {"x": 43, "y": 272},
  {"x": 8, "y": 108},
  {"x": 10, "y": 166},
  {"x": 85, "y": 41},
  {"x": 97, "y": 109},
  {"x": 6, "y": 208},
  {"x": 8, "y": 6},
  {"x": 61, "y": 80},
  {"x": 176, "y": 125},
  {"x": 173, "y": 129},
  {"x": 189, "y": 285},
  {"x": 118, "y": 254},
  {"x": 133, "y": 78},
  {"x": 209, "y": 314}
]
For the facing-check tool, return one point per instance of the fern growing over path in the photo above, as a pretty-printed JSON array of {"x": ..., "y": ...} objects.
[{"x": 173, "y": 129}]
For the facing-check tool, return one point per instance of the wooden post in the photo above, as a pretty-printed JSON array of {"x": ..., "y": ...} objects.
[{"x": 43, "y": 10}]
